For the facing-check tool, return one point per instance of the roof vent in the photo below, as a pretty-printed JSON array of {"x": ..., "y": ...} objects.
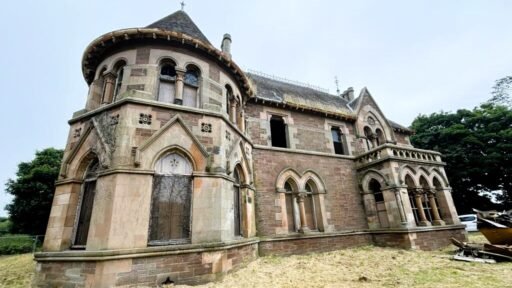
[{"x": 348, "y": 94}]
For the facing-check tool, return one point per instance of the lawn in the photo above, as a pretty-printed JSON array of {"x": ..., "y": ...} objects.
[{"x": 358, "y": 267}]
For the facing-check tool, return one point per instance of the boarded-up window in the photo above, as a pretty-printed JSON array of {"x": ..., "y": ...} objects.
[
  {"x": 87, "y": 201},
  {"x": 191, "y": 86},
  {"x": 166, "y": 90},
  {"x": 171, "y": 201}
]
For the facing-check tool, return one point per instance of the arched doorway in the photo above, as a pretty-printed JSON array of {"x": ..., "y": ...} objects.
[
  {"x": 171, "y": 201},
  {"x": 86, "y": 203}
]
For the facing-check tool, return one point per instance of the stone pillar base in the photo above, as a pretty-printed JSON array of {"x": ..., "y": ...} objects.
[
  {"x": 438, "y": 223},
  {"x": 304, "y": 230},
  {"x": 424, "y": 223}
]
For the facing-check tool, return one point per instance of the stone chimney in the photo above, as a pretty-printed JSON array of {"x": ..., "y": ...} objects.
[
  {"x": 226, "y": 45},
  {"x": 348, "y": 94}
]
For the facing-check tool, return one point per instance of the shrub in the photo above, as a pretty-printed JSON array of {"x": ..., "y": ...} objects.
[{"x": 16, "y": 244}]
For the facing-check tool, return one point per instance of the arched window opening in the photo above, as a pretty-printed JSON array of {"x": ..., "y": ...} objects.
[
  {"x": 119, "y": 70},
  {"x": 86, "y": 205},
  {"x": 337, "y": 140},
  {"x": 167, "y": 84},
  {"x": 379, "y": 137},
  {"x": 412, "y": 191},
  {"x": 171, "y": 201},
  {"x": 278, "y": 131},
  {"x": 101, "y": 85},
  {"x": 380, "y": 205},
  {"x": 291, "y": 206},
  {"x": 229, "y": 99},
  {"x": 310, "y": 206},
  {"x": 369, "y": 136},
  {"x": 191, "y": 87},
  {"x": 425, "y": 191},
  {"x": 237, "y": 202}
]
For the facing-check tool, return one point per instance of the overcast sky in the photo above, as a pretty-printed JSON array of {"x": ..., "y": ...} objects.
[{"x": 414, "y": 56}]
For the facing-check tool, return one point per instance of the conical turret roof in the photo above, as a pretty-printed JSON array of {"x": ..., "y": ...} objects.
[{"x": 179, "y": 21}]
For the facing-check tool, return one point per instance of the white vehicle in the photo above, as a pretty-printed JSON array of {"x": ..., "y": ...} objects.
[{"x": 470, "y": 221}]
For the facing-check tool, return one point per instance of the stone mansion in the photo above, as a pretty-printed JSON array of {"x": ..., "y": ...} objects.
[{"x": 182, "y": 167}]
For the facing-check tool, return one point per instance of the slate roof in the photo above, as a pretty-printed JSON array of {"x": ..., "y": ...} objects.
[
  {"x": 282, "y": 92},
  {"x": 399, "y": 127},
  {"x": 179, "y": 21}
]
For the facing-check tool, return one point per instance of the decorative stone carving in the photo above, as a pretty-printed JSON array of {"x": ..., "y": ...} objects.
[
  {"x": 107, "y": 135},
  {"x": 114, "y": 119},
  {"x": 228, "y": 136},
  {"x": 145, "y": 118},
  {"x": 77, "y": 133},
  {"x": 206, "y": 127}
]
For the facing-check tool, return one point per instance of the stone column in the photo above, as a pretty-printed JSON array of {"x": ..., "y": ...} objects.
[
  {"x": 233, "y": 112},
  {"x": 419, "y": 205},
  {"x": 108, "y": 92},
  {"x": 241, "y": 121},
  {"x": 302, "y": 212},
  {"x": 433, "y": 205},
  {"x": 447, "y": 207},
  {"x": 180, "y": 75}
]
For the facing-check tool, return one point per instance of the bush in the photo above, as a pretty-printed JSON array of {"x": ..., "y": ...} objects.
[
  {"x": 5, "y": 226},
  {"x": 16, "y": 244}
]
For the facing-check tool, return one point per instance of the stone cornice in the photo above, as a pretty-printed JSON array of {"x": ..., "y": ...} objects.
[{"x": 304, "y": 152}]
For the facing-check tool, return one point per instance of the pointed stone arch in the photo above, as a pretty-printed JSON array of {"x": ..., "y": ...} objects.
[
  {"x": 407, "y": 170},
  {"x": 311, "y": 175},
  {"x": 283, "y": 177},
  {"x": 436, "y": 172},
  {"x": 373, "y": 174},
  {"x": 173, "y": 135}
]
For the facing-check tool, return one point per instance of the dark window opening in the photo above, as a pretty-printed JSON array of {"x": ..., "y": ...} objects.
[
  {"x": 168, "y": 72},
  {"x": 337, "y": 140},
  {"x": 88, "y": 192},
  {"x": 119, "y": 68},
  {"x": 278, "y": 132},
  {"x": 237, "y": 203},
  {"x": 375, "y": 188}
]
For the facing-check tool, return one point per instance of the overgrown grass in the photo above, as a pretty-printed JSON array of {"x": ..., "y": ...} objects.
[
  {"x": 358, "y": 267},
  {"x": 16, "y": 271}
]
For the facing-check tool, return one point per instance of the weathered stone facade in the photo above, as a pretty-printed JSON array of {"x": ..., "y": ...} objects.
[{"x": 182, "y": 167}]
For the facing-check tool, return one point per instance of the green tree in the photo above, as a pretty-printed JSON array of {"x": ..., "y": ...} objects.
[
  {"x": 33, "y": 191},
  {"x": 501, "y": 91},
  {"x": 477, "y": 148}
]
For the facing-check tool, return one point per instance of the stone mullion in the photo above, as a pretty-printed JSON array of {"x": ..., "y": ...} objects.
[
  {"x": 302, "y": 212},
  {"x": 178, "y": 96}
]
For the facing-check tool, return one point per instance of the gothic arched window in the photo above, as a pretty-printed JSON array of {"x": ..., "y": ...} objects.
[
  {"x": 291, "y": 206},
  {"x": 369, "y": 136},
  {"x": 119, "y": 70},
  {"x": 171, "y": 201},
  {"x": 86, "y": 203},
  {"x": 237, "y": 202},
  {"x": 310, "y": 206}
]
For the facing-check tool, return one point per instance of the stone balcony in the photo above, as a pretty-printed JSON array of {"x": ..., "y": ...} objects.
[{"x": 398, "y": 153}]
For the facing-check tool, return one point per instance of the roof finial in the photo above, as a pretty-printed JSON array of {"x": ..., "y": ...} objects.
[
  {"x": 337, "y": 85},
  {"x": 182, "y": 5}
]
